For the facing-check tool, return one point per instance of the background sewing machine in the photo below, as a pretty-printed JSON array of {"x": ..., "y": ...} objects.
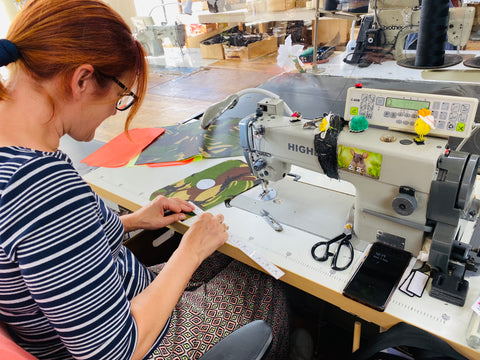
[
  {"x": 393, "y": 21},
  {"x": 403, "y": 191},
  {"x": 151, "y": 36}
]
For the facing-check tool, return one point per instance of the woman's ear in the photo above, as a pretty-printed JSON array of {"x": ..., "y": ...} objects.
[{"x": 82, "y": 80}]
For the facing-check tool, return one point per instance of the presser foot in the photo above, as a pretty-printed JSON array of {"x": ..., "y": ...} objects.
[
  {"x": 449, "y": 288},
  {"x": 268, "y": 194}
]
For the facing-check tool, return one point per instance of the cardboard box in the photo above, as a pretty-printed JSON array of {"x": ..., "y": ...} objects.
[
  {"x": 280, "y": 5},
  {"x": 212, "y": 51},
  {"x": 194, "y": 41},
  {"x": 256, "y": 6},
  {"x": 476, "y": 19},
  {"x": 300, "y": 3},
  {"x": 251, "y": 51},
  {"x": 328, "y": 28}
]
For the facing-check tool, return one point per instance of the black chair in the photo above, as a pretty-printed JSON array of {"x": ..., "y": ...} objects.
[
  {"x": 417, "y": 343},
  {"x": 250, "y": 342}
]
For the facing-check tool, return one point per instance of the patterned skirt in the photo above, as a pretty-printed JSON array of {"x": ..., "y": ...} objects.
[{"x": 222, "y": 296}]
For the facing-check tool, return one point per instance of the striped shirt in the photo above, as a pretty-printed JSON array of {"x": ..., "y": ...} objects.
[{"x": 65, "y": 278}]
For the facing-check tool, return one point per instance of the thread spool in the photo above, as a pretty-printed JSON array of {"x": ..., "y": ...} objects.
[
  {"x": 331, "y": 5},
  {"x": 432, "y": 33},
  {"x": 432, "y": 37}
]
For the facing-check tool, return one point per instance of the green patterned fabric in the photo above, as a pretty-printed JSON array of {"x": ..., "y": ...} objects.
[
  {"x": 181, "y": 142},
  {"x": 213, "y": 185}
]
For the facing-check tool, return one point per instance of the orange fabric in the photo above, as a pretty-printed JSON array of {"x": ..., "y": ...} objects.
[
  {"x": 10, "y": 350},
  {"x": 171, "y": 163},
  {"x": 120, "y": 150}
]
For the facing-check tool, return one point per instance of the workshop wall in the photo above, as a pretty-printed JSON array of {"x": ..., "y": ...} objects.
[
  {"x": 124, "y": 8},
  {"x": 9, "y": 10}
]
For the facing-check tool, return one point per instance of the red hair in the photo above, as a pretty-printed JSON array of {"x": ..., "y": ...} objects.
[{"x": 56, "y": 36}]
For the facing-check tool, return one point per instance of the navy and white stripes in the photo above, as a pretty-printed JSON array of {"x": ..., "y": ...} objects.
[{"x": 65, "y": 278}]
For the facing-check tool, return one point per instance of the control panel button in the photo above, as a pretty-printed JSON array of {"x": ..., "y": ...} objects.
[{"x": 460, "y": 127}]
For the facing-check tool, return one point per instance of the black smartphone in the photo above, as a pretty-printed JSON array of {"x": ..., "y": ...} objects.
[{"x": 377, "y": 277}]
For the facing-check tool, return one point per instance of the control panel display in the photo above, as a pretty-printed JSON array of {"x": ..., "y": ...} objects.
[
  {"x": 406, "y": 104},
  {"x": 398, "y": 110}
]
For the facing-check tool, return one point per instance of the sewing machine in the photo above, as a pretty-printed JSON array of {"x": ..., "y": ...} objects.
[
  {"x": 394, "y": 20},
  {"x": 151, "y": 36},
  {"x": 404, "y": 192}
]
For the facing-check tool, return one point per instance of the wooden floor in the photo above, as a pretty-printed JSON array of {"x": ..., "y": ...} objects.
[{"x": 174, "y": 96}]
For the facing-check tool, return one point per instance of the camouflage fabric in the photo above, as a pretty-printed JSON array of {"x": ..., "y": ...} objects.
[
  {"x": 180, "y": 142},
  {"x": 213, "y": 185}
]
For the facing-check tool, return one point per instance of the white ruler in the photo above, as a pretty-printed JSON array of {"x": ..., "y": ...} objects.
[
  {"x": 251, "y": 251},
  {"x": 254, "y": 254}
]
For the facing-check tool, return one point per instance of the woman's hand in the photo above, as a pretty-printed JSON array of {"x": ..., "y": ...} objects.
[
  {"x": 158, "y": 213},
  {"x": 205, "y": 236}
]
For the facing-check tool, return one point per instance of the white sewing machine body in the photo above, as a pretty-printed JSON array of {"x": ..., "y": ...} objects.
[
  {"x": 401, "y": 18},
  {"x": 401, "y": 165},
  {"x": 152, "y": 36},
  {"x": 388, "y": 162}
]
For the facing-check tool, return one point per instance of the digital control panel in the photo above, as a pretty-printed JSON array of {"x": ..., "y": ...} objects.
[{"x": 454, "y": 115}]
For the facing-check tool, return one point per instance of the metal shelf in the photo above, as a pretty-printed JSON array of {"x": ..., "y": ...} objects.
[
  {"x": 243, "y": 15},
  {"x": 340, "y": 14}
]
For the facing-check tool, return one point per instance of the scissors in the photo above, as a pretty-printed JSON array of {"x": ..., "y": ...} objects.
[{"x": 344, "y": 239}]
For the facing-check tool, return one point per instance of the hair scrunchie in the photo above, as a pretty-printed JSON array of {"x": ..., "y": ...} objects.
[{"x": 8, "y": 52}]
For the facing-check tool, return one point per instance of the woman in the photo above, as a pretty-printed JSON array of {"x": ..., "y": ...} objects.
[{"x": 68, "y": 288}]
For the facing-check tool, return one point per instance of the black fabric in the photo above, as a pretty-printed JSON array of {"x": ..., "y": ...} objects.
[
  {"x": 326, "y": 146},
  {"x": 420, "y": 345}
]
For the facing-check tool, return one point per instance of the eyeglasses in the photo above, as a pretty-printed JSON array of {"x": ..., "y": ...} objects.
[{"x": 127, "y": 99}]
